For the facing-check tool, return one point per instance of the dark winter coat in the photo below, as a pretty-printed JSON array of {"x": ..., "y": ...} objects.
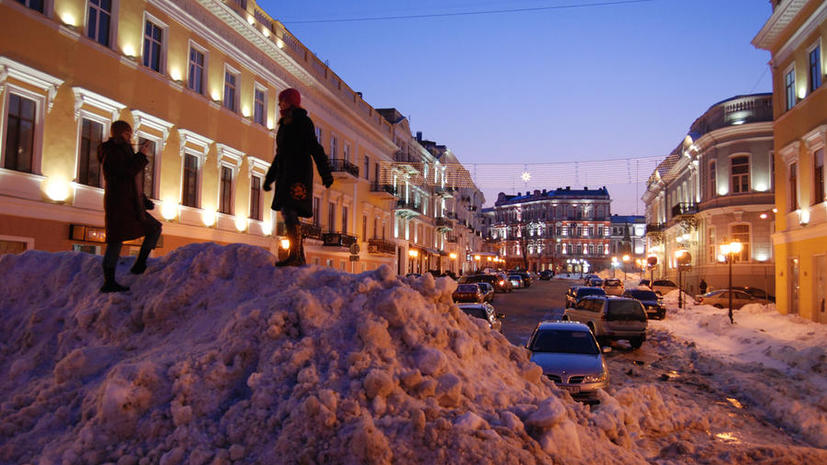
[
  {"x": 124, "y": 208},
  {"x": 292, "y": 168}
]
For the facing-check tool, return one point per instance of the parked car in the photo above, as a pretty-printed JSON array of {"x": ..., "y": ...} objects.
[
  {"x": 500, "y": 285},
  {"x": 576, "y": 293},
  {"x": 570, "y": 357},
  {"x": 645, "y": 283},
  {"x": 504, "y": 282},
  {"x": 546, "y": 275},
  {"x": 516, "y": 281},
  {"x": 588, "y": 277},
  {"x": 663, "y": 286},
  {"x": 720, "y": 299},
  {"x": 468, "y": 293},
  {"x": 651, "y": 302},
  {"x": 487, "y": 291},
  {"x": 527, "y": 280},
  {"x": 611, "y": 318},
  {"x": 613, "y": 286},
  {"x": 484, "y": 311},
  {"x": 595, "y": 281},
  {"x": 759, "y": 294}
]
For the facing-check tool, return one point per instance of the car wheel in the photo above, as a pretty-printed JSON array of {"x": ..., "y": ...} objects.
[{"x": 636, "y": 342}]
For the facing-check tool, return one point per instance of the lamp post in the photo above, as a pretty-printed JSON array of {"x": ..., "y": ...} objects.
[
  {"x": 729, "y": 251},
  {"x": 683, "y": 258},
  {"x": 614, "y": 267},
  {"x": 626, "y": 259},
  {"x": 412, "y": 253},
  {"x": 453, "y": 257}
]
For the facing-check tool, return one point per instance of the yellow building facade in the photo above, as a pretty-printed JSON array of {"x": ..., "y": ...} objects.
[
  {"x": 795, "y": 35},
  {"x": 199, "y": 80}
]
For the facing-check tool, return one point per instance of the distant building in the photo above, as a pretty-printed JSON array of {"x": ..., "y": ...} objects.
[
  {"x": 714, "y": 188},
  {"x": 795, "y": 35},
  {"x": 628, "y": 236},
  {"x": 565, "y": 229}
]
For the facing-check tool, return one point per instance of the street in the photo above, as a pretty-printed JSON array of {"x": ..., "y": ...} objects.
[{"x": 680, "y": 373}]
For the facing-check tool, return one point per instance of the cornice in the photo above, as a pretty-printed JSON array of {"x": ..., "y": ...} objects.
[
  {"x": 795, "y": 41},
  {"x": 778, "y": 22}
]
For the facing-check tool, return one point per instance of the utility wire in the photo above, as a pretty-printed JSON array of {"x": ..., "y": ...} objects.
[{"x": 467, "y": 13}]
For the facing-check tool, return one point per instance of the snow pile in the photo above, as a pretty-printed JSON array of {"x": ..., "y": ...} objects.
[
  {"x": 775, "y": 361},
  {"x": 215, "y": 357}
]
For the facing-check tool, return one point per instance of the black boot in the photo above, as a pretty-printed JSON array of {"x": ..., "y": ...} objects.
[
  {"x": 140, "y": 263},
  {"x": 300, "y": 239},
  {"x": 294, "y": 236},
  {"x": 109, "y": 283}
]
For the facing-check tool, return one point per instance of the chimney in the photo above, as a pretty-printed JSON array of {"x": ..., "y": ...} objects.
[
  {"x": 544, "y": 192},
  {"x": 585, "y": 188},
  {"x": 536, "y": 192},
  {"x": 359, "y": 94},
  {"x": 568, "y": 188},
  {"x": 419, "y": 136}
]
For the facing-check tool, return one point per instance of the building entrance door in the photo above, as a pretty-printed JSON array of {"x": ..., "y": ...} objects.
[
  {"x": 795, "y": 285},
  {"x": 820, "y": 284}
]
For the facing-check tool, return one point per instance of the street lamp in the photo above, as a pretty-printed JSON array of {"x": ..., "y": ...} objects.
[
  {"x": 626, "y": 259},
  {"x": 729, "y": 251},
  {"x": 412, "y": 253},
  {"x": 683, "y": 258}
]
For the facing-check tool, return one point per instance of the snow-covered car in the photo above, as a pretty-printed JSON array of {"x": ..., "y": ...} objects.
[
  {"x": 759, "y": 294},
  {"x": 468, "y": 293},
  {"x": 611, "y": 318},
  {"x": 570, "y": 357},
  {"x": 651, "y": 302},
  {"x": 720, "y": 299},
  {"x": 663, "y": 286},
  {"x": 484, "y": 311},
  {"x": 613, "y": 286}
]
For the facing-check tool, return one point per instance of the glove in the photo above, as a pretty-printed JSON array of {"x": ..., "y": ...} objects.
[
  {"x": 267, "y": 187},
  {"x": 327, "y": 181},
  {"x": 148, "y": 204}
]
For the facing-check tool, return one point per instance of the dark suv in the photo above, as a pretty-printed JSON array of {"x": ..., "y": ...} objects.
[
  {"x": 611, "y": 318},
  {"x": 499, "y": 285},
  {"x": 527, "y": 279},
  {"x": 576, "y": 293}
]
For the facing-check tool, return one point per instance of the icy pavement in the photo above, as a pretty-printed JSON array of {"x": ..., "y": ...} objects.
[{"x": 215, "y": 357}]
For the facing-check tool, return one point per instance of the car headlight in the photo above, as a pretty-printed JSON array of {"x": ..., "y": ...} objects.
[{"x": 598, "y": 378}]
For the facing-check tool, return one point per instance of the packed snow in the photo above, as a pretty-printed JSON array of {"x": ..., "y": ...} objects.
[{"x": 215, "y": 357}]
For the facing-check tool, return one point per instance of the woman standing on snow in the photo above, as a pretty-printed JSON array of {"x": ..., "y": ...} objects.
[
  {"x": 123, "y": 205},
  {"x": 292, "y": 171}
]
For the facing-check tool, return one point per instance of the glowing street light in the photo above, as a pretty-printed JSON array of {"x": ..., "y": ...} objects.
[{"x": 729, "y": 251}]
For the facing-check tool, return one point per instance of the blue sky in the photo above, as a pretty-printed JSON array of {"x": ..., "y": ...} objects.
[{"x": 559, "y": 85}]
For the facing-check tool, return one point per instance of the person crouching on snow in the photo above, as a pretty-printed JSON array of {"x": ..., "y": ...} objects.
[
  {"x": 124, "y": 203},
  {"x": 292, "y": 171}
]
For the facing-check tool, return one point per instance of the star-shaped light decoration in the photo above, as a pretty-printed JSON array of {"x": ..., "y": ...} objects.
[{"x": 526, "y": 176}]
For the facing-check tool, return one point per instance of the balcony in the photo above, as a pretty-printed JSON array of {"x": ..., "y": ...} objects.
[
  {"x": 406, "y": 162},
  {"x": 735, "y": 200},
  {"x": 684, "y": 209},
  {"x": 445, "y": 192},
  {"x": 381, "y": 247},
  {"x": 344, "y": 170},
  {"x": 654, "y": 228},
  {"x": 444, "y": 224},
  {"x": 385, "y": 191},
  {"x": 408, "y": 209},
  {"x": 312, "y": 231},
  {"x": 451, "y": 239},
  {"x": 338, "y": 239}
]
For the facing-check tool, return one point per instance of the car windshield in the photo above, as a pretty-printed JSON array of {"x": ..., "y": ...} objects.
[
  {"x": 476, "y": 312},
  {"x": 565, "y": 342},
  {"x": 584, "y": 291},
  {"x": 626, "y": 310},
  {"x": 467, "y": 288},
  {"x": 612, "y": 282},
  {"x": 643, "y": 295}
]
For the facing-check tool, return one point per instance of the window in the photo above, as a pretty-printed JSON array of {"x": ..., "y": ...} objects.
[
  {"x": 739, "y": 175},
  {"x": 98, "y": 21},
  {"x": 334, "y": 146},
  {"x": 37, "y": 5},
  {"x": 713, "y": 179},
  {"x": 255, "y": 198},
  {"x": 376, "y": 228},
  {"x": 376, "y": 173},
  {"x": 20, "y": 130},
  {"x": 149, "y": 170},
  {"x": 793, "y": 186},
  {"x": 789, "y": 88},
  {"x": 367, "y": 167},
  {"x": 153, "y": 46},
  {"x": 225, "y": 204},
  {"x": 195, "y": 80},
  {"x": 260, "y": 106},
  {"x": 712, "y": 251},
  {"x": 318, "y": 134},
  {"x": 365, "y": 228},
  {"x": 815, "y": 67},
  {"x": 317, "y": 218},
  {"x": 346, "y": 152},
  {"x": 190, "y": 181},
  {"x": 818, "y": 176},
  {"x": 740, "y": 233},
  {"x": 331, "y": 216},
  {"x": 89, "y": 168},
  {"x": 230, "y": 90}
]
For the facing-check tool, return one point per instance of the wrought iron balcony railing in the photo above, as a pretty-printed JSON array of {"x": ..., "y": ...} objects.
[
  {"x": 381, "y": 247},
  {"x": 338, "y": 165}
]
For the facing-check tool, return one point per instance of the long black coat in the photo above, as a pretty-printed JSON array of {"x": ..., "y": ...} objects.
[
  {"x": 292, "y": 168},
  {"x": 123, "y": 207}
]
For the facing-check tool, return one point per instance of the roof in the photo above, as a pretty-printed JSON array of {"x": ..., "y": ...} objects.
[
  {"x": 559, "y": 324},
  {"x": 641, "y": 219},
  {"x": 559, "y": 193}
]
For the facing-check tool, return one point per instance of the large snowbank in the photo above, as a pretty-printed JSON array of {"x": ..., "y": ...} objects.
[{"x": 215, "y": 357}]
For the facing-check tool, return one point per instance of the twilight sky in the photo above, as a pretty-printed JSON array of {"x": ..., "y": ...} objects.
[{"x": 540, "y": 90}]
